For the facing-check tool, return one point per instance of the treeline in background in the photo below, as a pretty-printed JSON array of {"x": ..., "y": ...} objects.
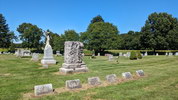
[{"x": 160, "y": 32}]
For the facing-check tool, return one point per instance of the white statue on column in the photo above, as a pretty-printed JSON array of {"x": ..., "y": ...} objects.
[{"x": 48, "y": 52}]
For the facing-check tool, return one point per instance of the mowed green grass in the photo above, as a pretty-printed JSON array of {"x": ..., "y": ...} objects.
[{"x": 19, "y": 75}]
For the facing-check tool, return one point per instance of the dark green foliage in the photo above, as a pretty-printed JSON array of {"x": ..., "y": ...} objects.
[
  {"x": 133, "y": 56},
  {"x": 100, "y": 36},
  {"x": 139, "y": 56},
  {"x": 130, "y": 41},
  {"x": 6, "y": 37},
  {"x": 97, "y": 19},
  {"x": 160, "y": 32},
  {"x": 57, "y": 41},
  {"x": 71, "y": 35},
  {"x": 30, "y": 35}
]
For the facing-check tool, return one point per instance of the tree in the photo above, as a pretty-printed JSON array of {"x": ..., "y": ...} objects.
[
  {"x": 97, "y": 19},
  {"x": 30, "y": 35},
  {"x": 130, "y": 41},
  {"x": 6, "y": 37},
  {"x": 71, "y": 35},
  {"x": 159, "y": 32},
  {"x": 100, "y": 36},
  {"x": 57, "y": 41}
]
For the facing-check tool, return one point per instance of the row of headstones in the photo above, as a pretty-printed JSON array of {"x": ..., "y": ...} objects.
[
  {"x": 5, "y": 52},
  {"x": 93, "y": 81}
]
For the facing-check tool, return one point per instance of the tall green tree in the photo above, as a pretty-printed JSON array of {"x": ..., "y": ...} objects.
[
  {"x": 130, "y": 41},
  {"x": 160, "y": 32},
  {"x": 57, "y": 41},
  {"x": 100, "y": 36},
  {"x": 71, "y": 35},
  {"x": 97, "y": 19},
  {"x": 6, "y": 36},
  {"x": 30, "y": 35}
]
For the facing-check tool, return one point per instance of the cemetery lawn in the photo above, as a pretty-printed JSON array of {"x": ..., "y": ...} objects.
[{"x": 18, "y": 76}]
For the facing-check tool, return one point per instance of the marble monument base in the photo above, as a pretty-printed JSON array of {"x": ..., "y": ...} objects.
[
  {"x": 73, "y": 68},
  {"x": 48, "y": 61}
]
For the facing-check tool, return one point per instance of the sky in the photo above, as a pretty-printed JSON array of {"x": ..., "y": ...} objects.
[{"x": 61, "y": 15}]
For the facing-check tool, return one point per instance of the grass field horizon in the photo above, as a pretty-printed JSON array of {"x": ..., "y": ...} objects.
[{"x": 19, "y": 75}]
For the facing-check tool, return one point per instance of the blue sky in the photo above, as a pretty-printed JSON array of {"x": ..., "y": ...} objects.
[{"x": 60, "y": 15}]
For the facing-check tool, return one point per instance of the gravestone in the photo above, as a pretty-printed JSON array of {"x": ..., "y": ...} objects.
[
  {"x": 35, "y": 57},
  {"x": 26, "y": 53},
  {"x": 72, "y": 84},
  {"x": 128, "y": 54},
  {"x": 146, "y": 54},
  {"x": 140, "y": 73},
  {"x": 127, "y": 75},
  {"x": 120, "y": 54},
  {"x": 73, "y": 58},
  {"x": 19, "y": 52},
  {"x": 48, "y": 52},
  {"x": 157, "y": 54},
  {"x": 170, "y": 53},
  {"x": 94, "y": 81},
  {"x": 58, "y": 53},
  {"x": 176, "y": 54},
  {"x": 0, "y": 52},
  {"x": 111, "y": 78},
  {"x": 98, "y": 54},
  {"x": 166, "y": 54},
  {"x": 43, "y": 89},
  {"x": 110, "y": 57}
]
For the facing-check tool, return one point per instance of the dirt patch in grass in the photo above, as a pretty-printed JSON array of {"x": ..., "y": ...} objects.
[
  {"x": 59, "y": 73},
  {"x": 27, "y": 96},
  {"x": 6, "y": 74}
]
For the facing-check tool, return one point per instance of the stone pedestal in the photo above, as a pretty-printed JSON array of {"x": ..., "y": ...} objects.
[
  {"x": 48, "y": 56},
  {"x": 73, "y": 58}
]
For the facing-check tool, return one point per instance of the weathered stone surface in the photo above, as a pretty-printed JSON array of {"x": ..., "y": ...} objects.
[
  {"x": 72, "y": 84},
  {"x": 48, "y": 53},
  {"x": 73, "y": 58},
  {"x": 58, "y": 53},
  {"x": 98, "y": 54},
  {"x": 120, "y": 54},
  {"x": 170, "y": 53},
  {"x": 35, "y": 57},
  {"x": 45, "y": 65},
  {"x": 110, "y": 57},
  {"x": 94, "y": 81},
  {"x": 140, "y": 73},
  {"x": 43, "y": 89},
  {"x": 111, "y": 78},
  {"x": 176, "y": 54},
  {"x": 157, "y": 54},
  {"x": 146, "y": 54},
  {"x": 127, "y": 75}
]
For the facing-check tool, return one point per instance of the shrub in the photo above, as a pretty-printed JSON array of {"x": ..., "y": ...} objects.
[
  {"x": 139, "y": 56},
  {"x": 133, "y": 56}
]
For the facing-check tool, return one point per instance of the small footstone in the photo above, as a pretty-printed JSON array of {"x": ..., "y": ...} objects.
[
  {"x": 140, "y": 73},
  {"x": 111, "y": 78},
  {"x": 72, "y": 84},
  {"x": 43, "y": 89},
  {"x": 94, "y": 81},
  {"x": 127, "y": 75},
  {"x": 45, "y": 66}
]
